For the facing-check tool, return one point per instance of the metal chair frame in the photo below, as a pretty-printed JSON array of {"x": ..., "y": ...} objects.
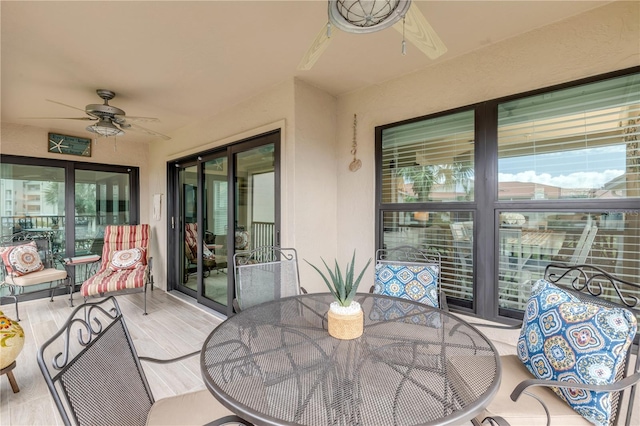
[
  {"x": 259, "y": 256},
  {"x": 413, "y": 255},
  {"x": 591, "y": 284},
  {"x": 44, "y": 241},
  {"x": 148, "y": 278},
  {"x": 95, "y": 341}
]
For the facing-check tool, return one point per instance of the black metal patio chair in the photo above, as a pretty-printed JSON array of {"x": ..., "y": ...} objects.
[
  {"x": 96, "y": 377},
  {"x": 574, "y": 353}
]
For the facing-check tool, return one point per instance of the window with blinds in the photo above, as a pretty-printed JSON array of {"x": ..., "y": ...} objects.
[
  {"x": 429, "y": 160},
  {"x": 567, "y": 163},
  {"x": 580, "y": 142}
]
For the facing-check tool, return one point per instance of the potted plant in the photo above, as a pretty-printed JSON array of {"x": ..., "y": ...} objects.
[{"x": 345, "y": 317}]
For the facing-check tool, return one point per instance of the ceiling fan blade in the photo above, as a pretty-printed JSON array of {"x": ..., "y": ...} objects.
[
  {"x": 420, "y": 33},
  {"x": 318, "y": 46},
  {"x": 138, "y": 128},
  {"x": 60, "y": 118},
  {"x": 68, "y": 106},
  {"x": 124, "y": 118}
]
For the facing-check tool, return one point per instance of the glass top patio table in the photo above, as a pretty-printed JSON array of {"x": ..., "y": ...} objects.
[{"x": 275, "y": 364}]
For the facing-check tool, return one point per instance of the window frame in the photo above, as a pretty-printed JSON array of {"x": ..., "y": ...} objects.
[{"x": 486, "y": 204}]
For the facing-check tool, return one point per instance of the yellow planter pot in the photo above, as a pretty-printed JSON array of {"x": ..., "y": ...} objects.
[
  {"x": 11, "y": 340},
  {"x": 346, "y": 327}
]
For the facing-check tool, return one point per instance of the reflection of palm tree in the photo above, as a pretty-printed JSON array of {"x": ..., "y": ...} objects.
[
  {"x": 462, "y": 174},
  {"x": 423, "y": 177}
]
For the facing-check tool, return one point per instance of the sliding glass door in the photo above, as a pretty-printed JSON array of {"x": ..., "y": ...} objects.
[
  {"x": 223, "y": 202},
  {"x": 70, "y": 201}
]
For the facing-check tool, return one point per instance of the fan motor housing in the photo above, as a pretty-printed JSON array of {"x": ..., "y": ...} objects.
[{"x": 101, "y": 110}]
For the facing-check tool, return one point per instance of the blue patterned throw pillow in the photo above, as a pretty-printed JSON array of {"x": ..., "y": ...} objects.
[
  {"x": 409, "y": 281},
  {"x": 565, "y": 339}
]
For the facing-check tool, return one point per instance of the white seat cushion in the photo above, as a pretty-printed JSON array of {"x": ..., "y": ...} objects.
[
  {"x": 194, "y": 408},
  {"x": 40, "y": 277},
  {"x": 527, "y": 411}
]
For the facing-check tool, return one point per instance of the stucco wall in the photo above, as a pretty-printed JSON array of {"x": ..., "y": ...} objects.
[
  {"x": 316, "y": 181},
  {"x": 603, "y": 40},
  {"x": 273, "y": 109}
]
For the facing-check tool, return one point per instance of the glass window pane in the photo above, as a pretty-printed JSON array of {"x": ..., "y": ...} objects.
[
  {"x": 255, "y": 198},
  {"x": 32, "y": 198},
  {"x": 580, "y": 142},
  {"x": 101, "y": 198},
  {"x": 529, "y": 241},
  {"x": 215, "y": 235},
  {"x": 448, "y": 233},
  {"x": 429, "y": 160}
]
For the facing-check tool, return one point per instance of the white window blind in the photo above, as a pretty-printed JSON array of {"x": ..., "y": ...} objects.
[
  {"x": 580, "y": 142},
  {"x": 429, "y": 160}
]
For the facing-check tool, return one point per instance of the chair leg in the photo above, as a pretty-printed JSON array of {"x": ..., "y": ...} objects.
[
  {"x": 71, "y": 285},
  {"x": 16, "y": 302},
  {"x": 145, "y": 301}
]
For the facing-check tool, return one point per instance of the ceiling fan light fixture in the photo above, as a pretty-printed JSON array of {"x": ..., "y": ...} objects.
[
  {"x": 105, "y": 128},
  {"x": 366, "y": 16}
]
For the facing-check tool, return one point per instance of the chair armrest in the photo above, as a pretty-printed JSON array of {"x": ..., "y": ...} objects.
[
  {"x": 498, "y": 326},
  {"x": 234, "y": 420},
  {"x": 168, "y": 361},
  {"x": 442, "y": 300},
  {"x": 613, "y": 387},
  {"x": 496, "y": 420}
]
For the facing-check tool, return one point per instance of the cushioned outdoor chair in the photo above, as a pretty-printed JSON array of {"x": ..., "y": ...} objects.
[
  {"x": 573, "y": 354},
  {"x": 410, "y": 273},
  {"x": 264, "y": 274},
  {"x": 95, "y": 376},
  {"x": 126, "y": 263},
  {"x": 191, "y": 251},
  {"x": 27, "y": 265}
]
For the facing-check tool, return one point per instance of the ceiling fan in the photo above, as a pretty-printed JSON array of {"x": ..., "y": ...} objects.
[
  {"x": 366, "y": 16},
  {"x": 109, "y": 120}
]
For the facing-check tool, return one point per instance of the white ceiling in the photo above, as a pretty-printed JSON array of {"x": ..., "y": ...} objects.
[{"x": 183, "y": 62}]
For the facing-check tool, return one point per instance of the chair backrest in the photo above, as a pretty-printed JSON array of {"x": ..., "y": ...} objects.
[
  {"x": 583, "y": 247},
  {"x": 417, "y": 270},
  {"x": 191, "y": 243},
  {"x": 123, "y": 237},
  {"x": 191, "y": 240},
  {"x": 264, "y": 274},
  {"x": 92, "y": 369},
  {"x": 595, "y": 285},
  {"x": 43, "y": 241},
  {"x": 459, "y": 232},
  {"x": 511, "y": 248}
]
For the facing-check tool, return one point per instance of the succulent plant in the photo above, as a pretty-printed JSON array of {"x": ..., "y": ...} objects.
[{"x": 343, "y": 288}]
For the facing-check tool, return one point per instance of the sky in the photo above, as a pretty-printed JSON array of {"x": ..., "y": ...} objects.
[{"x": 585, "y": 168}]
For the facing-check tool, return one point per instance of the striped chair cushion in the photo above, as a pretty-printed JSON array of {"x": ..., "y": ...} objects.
[
  {"x": 118, "y": 238},
  {"x": 109, "y": 280}
]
